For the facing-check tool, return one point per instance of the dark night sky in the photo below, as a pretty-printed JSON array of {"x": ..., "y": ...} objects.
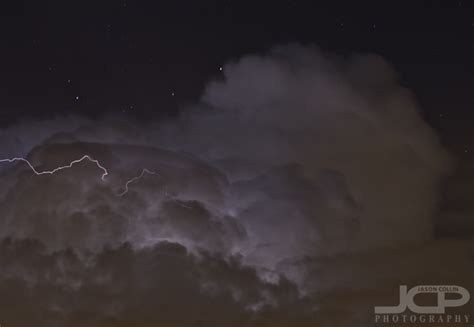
[{"x": 133, "y": 56}]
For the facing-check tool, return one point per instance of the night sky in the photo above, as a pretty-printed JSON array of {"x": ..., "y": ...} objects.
[
  {"x": 234, "y": 163},
  {"x": 93, "y": 57}
]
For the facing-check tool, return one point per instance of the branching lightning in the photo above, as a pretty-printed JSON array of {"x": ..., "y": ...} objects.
[
  {"x": 85, "y": 157},
  {"x": 55, "y": 170},
  {"x": 144, "y": 171}
]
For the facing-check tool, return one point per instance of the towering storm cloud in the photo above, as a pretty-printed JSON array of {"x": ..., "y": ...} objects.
[{"x": 299, "y": 184}]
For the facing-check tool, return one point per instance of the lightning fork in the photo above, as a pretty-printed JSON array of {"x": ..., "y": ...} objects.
[
  {"x": 125, "y": 191},
  {"x": 51, "y": 172},
  {"x": 85, "y": 157}
]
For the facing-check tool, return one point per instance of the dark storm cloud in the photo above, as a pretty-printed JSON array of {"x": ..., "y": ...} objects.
[{"x": 287, "y": 194}]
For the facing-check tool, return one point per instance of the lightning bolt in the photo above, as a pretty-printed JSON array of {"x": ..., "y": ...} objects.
[
  {"x": 55, "y": 170},
  {"x": 72, "y": 163},
  {"x": 144, "y": 171}
]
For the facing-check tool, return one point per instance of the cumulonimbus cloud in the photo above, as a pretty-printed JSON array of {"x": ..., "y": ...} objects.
[{"x": 299, "y": 179}]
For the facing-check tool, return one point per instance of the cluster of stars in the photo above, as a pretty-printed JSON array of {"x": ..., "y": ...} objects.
[{"x": 77, "y": 97}]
